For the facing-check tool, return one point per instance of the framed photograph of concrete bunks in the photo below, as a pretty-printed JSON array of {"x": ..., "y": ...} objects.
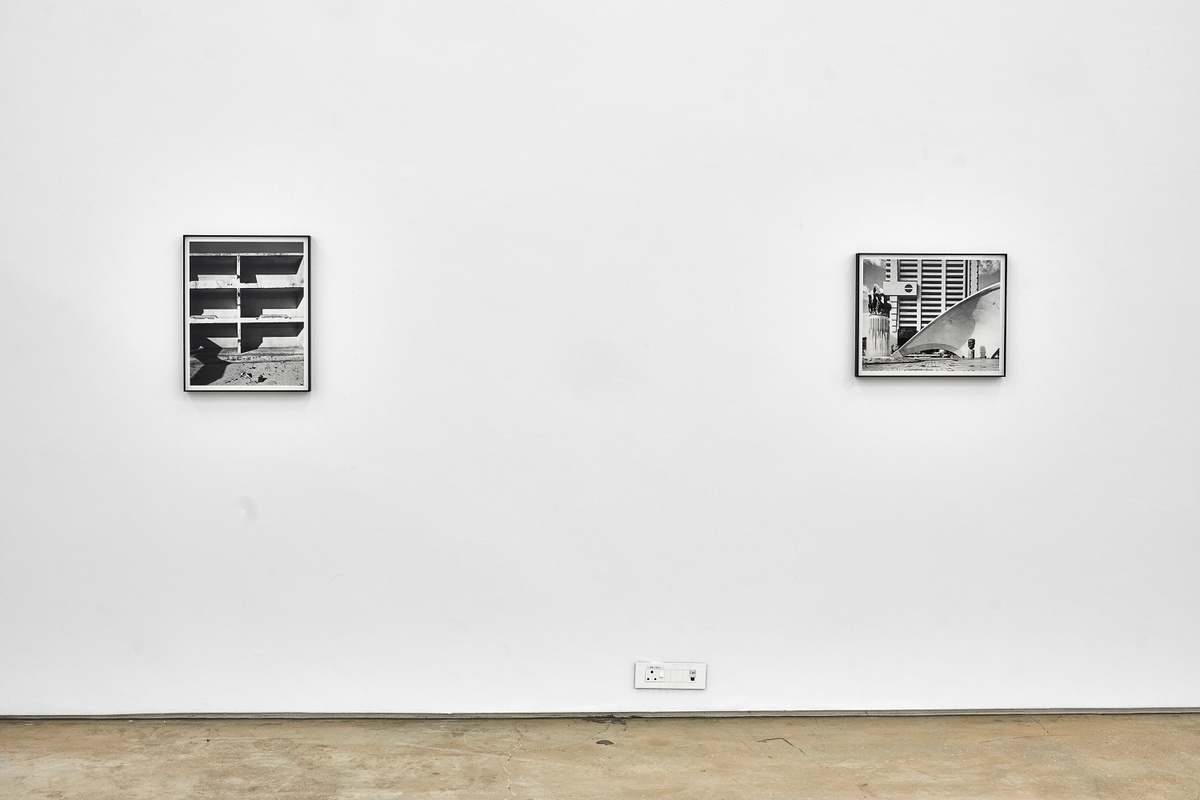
[
  {"x": 930, "y": 314},
  {"x": 246, "y": 313}
]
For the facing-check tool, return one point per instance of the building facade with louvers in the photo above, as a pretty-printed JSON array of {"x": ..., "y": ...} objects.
[{"x": 942, "y": 282}]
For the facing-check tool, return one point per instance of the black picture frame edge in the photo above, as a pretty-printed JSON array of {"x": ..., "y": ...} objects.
[
  {"x": 858, "y": 257},
  {"x": 308, "y": 316}
]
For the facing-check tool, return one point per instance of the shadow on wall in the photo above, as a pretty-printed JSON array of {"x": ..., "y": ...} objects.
[
  {"x": 274, "y": 270},
  {"x": 269, "y": 335}
]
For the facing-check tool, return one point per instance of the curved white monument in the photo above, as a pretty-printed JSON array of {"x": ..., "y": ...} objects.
[{"x": 979, "y": 317}]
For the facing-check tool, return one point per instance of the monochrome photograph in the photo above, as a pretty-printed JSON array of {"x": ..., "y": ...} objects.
[
  {"x": 246, "y": 313},
  {"x": 924, "y": 314}
]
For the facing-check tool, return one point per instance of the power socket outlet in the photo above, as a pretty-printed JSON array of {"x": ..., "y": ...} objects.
[{"x": 670, "y": 675}]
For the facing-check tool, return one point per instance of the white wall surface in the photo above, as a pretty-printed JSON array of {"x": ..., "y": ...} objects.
[{"x": 583, "y": 307}]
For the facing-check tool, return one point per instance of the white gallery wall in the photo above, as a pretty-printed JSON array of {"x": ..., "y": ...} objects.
[{"x": 582, "y": 321}]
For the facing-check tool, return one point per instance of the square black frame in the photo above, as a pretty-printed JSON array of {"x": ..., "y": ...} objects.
[{"x": 247, "y": 313}]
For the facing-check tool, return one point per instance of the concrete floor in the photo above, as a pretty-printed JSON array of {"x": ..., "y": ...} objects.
[{"x": 1018, "y": 756}]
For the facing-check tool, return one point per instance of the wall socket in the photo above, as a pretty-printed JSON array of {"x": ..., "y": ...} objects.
[{"x": 670, "y": 675}]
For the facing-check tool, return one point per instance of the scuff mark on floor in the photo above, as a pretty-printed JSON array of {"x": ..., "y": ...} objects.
[{"x": 511, "y": 754}]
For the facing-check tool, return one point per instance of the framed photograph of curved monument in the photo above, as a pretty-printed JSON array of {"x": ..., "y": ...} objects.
[
  {"x": 246, "y": 313},
  {"x": 923, "y": 314}
]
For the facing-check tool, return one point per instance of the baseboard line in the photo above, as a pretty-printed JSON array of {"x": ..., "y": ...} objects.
[{"x": 601, "y": 715}]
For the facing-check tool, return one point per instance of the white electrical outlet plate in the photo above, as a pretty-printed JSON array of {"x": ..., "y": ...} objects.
[{"x": 670, "y": 675}]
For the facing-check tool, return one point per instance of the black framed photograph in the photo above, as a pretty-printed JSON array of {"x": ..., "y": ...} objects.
[
  {"x": 246, "y": 313},
  {"x": 926, "y": 314}
]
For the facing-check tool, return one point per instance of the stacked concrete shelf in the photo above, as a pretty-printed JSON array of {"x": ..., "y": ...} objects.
[{"x": 246, "y": 301}]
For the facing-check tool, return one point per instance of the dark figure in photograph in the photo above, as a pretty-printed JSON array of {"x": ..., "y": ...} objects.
[{"x": 878, "y": 302}]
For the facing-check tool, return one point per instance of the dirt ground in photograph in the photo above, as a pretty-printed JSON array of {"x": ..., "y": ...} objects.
[
  {"x": 272, "y": 372},
  {"x": 939, "y": 365}
]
